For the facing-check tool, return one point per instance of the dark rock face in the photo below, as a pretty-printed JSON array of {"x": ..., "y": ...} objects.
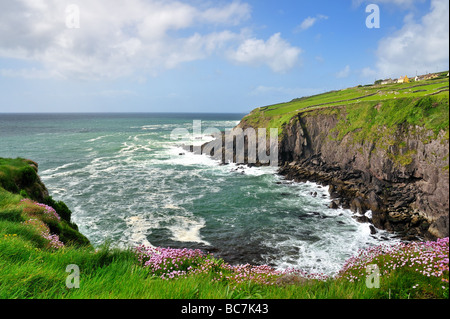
[
  {"x": 410, "y": 197},
  {"x": 240, "y": 147}
]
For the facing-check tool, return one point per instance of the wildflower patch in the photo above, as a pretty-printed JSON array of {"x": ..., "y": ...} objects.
[
  {"x": 429, "y": 259},
  {"x": 168, "y": 263},
  {"x": 34, "y": 208},
  {"x": 53, "y": 239}
]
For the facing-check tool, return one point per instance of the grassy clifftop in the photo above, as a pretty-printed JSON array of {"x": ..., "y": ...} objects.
[
  {"x": 25, "y": 199},
  {"x": 423, "y": 103},
  {"x": 19, "y": 175},
  {"x": 38, "y": 242}
]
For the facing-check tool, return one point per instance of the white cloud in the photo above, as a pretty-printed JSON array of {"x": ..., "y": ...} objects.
[
  {"x": 277, "y": 53},
  {"x": 196, "y": 47},
  {"x": 232, "y": 14},
  {"x": 344, "y": 72},
  {"x": 309, "y": 22},
  {"x": 419, "y": 46},
  {"x": 116, "y": 38},
  {"x": 162, "y": 17}
]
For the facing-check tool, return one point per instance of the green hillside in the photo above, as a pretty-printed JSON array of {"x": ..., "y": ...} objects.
[{"x": 413, "y": 102}]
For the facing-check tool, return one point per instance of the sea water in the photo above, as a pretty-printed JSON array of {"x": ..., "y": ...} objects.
[{"x": 127, "y": 182}]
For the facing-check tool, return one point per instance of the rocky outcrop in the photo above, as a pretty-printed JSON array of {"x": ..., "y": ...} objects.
[
  {"x": 246, "y": 146},
  {"x": 402, "y": 178},
  {"x": 22, "y": 176}
]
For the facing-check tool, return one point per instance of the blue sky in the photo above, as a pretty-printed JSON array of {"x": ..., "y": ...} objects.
[{"x": 206, "y": 56}]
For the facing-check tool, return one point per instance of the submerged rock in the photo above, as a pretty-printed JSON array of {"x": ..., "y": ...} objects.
[{"x": 334, "y": 204}]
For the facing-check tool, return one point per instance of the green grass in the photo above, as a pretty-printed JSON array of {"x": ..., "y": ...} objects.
[
  {"x": 10, "y": 169},
  {"x": 29, "y": 272},
  {"x": 19, "y": 180},
  {"x": 397, "y": 102},
  {"x": 366, "y": 118}
]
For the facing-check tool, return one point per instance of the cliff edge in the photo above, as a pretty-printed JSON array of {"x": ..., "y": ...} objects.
[
  {"x": 380, "y": 148},
  {"x": 401, "y": 176}
]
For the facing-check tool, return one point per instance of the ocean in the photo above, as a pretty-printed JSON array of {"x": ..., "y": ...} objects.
[{"x": 128, "y": 183}]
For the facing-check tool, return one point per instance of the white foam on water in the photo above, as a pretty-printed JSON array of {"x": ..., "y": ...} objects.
[
  {"x": 187, "y": 230},
  {"x": 137, "y": 137},
  {"x": 177, "y": 155},
  {"x": 158, "y": 127},
  {"x": 98, "y": 138},
  {"x": 134, "y": 146},
  {"x": 252, "y": 171},
  {"x": 138, "y": 230},
  {"x": 335, "y": 238},
  {"x": 325, "y": 255},
  {"x": 171, "y": 206},
  {"x": 182, "y": 228},
  {"x": 57, "y": 191},
  {"x": 51, "y": 171},
  {"x": 187, "y": 158}
]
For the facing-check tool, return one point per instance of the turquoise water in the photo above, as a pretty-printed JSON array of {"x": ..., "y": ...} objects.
[{"x": 125, "y": 181}]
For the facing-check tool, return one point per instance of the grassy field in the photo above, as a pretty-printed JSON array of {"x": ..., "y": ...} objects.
[
  {"x": 37, "y": 245},
  {"x": 358, "y": 100}
]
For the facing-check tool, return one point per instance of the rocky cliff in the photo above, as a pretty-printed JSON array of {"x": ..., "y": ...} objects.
[
  {"x": 399, "y": 171},
  {"x": 402, "y": 177}
]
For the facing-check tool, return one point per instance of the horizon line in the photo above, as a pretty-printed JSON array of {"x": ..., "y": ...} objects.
[{"x": 1, "y": 113}]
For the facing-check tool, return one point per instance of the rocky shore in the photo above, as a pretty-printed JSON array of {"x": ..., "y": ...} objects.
[
  {"x": 402, "y": 180},
  {"x": 408, "y": 196}
]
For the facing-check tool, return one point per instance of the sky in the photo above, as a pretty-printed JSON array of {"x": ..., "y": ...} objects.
[{"x": 208, "y": 56}]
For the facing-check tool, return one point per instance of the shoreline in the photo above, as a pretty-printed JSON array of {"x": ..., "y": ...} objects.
[{"x": 392, "y": 200}]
